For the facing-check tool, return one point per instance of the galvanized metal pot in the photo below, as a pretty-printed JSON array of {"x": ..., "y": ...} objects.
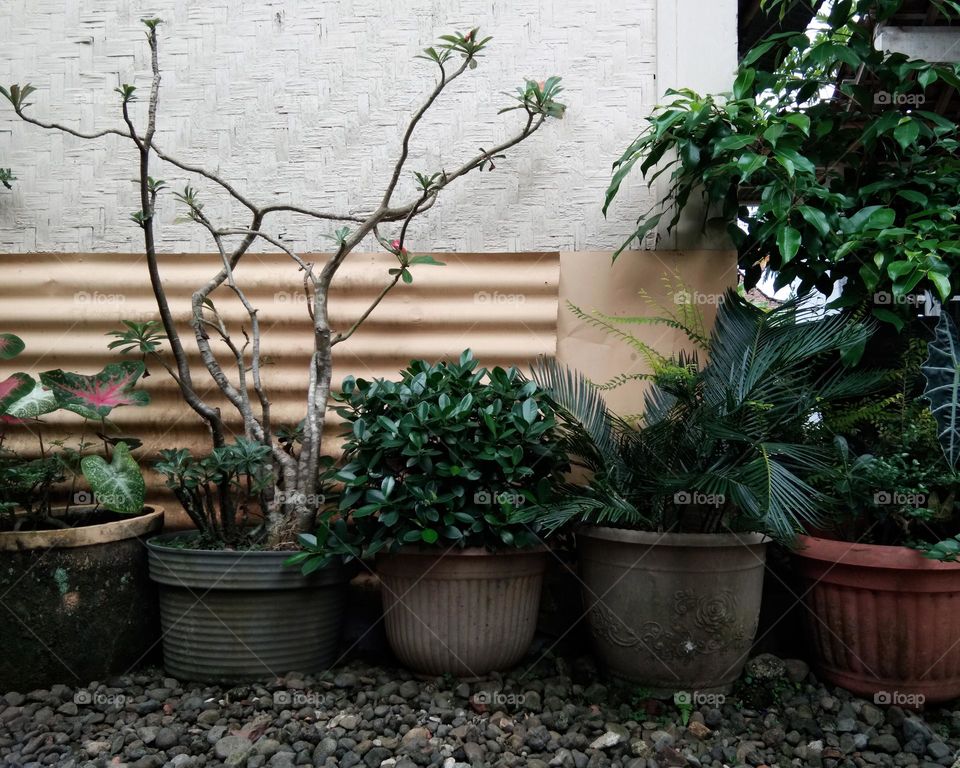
[
  {"x": 466, "y": 613},
  {"x": 238, "y": 616},
  {"x": 82, "y": 603},
  {"x": 674, "y": 612}
]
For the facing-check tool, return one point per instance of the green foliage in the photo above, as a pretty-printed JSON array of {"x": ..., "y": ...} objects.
[
  {"x": 450, "y": 455},
  {"x": 127, "y": 93},
  {"x": 17, "y": 95},
  {"x": 223, "y": 493},
  {"x": 31, "y": 483},
  {"x": 539, "y": 98},
  {"x": 117, "y": 485},
  {"x": 468, "y": 45},
  {"x": 721, "y": 446},
  {"x": 6, "y": 176},
  {"x": 856, "y": 191},
  {"x": 144, "y": 338},
  {"x": 942, "y": 373}
]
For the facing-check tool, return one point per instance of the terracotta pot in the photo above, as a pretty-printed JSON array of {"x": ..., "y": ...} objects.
[
  {"x": 884, "y": 621},
  {"x": 466, "y": 613},
  {"x": 672, "y": 612},
  {"x": 240, "y": 616},
  {"x": 80, "y": 605}
]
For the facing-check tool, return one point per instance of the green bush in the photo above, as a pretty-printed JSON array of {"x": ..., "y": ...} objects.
[{"x": 449, "y": 455}]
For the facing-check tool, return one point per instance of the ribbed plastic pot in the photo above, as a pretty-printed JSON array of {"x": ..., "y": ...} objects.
[
  {"x": 84, "y": 605},
  {"x": 885, "y": 621},
  {"x": 465, "y": 613},
  {"x": 672, "y": 612},
  {"x": 239, "y": 616}
]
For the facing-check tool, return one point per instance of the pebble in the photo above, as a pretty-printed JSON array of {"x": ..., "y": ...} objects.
[{"x": 364, "y": 716}]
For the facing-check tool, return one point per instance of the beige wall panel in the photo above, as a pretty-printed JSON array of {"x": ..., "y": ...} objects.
[
  {"x": 503, "y": 306},
  {"x": 588, "y": 280}
]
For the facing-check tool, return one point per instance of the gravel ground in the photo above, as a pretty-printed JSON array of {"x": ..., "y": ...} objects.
[{"x": 558, "y": 714}]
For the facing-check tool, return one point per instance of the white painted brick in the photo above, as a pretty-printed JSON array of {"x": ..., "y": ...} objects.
[{"x": 305, "y": 100}]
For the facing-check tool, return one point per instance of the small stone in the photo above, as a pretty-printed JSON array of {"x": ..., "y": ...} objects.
[
  {"x": 713, "y": 717},
  {"x": 828, "y": 703},
  {"x": 69, "y": 709},
  {"x": 774, "y": 737},
  {"x": 345, "y": 680},
  {"x": 208, "y": 716},
  {"x": 885, "y": 742},
  {"x": 640, "y": 748},
  {"x": 409, "y": 689},
  {"x": 846, "y": 725},
  {"x": 915, "y": 728},
  {"x": 699, "y": 730},
  {"x": 797, "y": 670},
  {"x": 938, "y": 750},
  {"x": 416, "y": 736},
  {"x": 871, "y": 715},
  {"x": 766, "y": 666},
  {"x": 349, "y": 722},
  {"x": 615, "y": 734},
  {"x": 233, "y": 750},
  {"x": 14, "y": 699},
  {"x": 166, "y": 738},
  {"x": 532, "y": 702}
]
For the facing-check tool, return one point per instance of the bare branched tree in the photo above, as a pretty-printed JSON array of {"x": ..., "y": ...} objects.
[{"x": 288, "y": 497}]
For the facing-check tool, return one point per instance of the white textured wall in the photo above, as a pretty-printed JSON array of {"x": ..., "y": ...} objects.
[{"x": 305, "y": 100}]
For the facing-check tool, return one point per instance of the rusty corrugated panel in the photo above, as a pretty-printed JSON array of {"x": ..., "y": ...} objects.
[{"x": 503, "y": 306}]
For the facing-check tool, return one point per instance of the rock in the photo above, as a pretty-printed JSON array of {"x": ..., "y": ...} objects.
[
  {"x": 232, "y": 750},
  {"x": 181, "y": 761},
  {"x": 914, "y": 728},
  {"x": 596, "y": 694},
  {"x": 615, "y": 734},
  {"x": 640, "y": 748},
  {"x": 764, "y": 667},
  {"x": 538, "y": 737},
  {"x": 531, "y": 701},
  {"x": 349, "y": 722},
  {"x": 797, "y": 670},
  {"x": 885, "y": 742},
  {"x": 166, "y": 738},
  {"x": 871, "y": 715},
  {"x": 283, "y": 760},
  {"x": 713, "y": 717},
  {"x": 208, "y": 717},
  {"x": 774, "y": 737},
  {"x": 939, "y": 751},
  {"x": 699, "y": 730},
  {"x": 416, "y": 737},
  {"x": 69, "y": 709},
  {"x": 345, "y": 680},
  {"x": 14, "y": 699},
  {"x": 473, "y": 752},
  {"x": 409, "y": 689}
]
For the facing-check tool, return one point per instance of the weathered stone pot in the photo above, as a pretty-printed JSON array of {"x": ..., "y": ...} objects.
[
  {"x": 884, "y": 621},
  {"x": 466, "y": 613},
  {"x": 672, "y": 612},
  {"x": 238, "y": 616},
  {"x": 79, "y": 603}
]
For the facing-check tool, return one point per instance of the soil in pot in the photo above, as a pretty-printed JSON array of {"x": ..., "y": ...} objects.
[
  {"x": 466, "y": 612},
  {"x": 672, "y": 612},
  {"x": 238, "y": 616},
  {"x": 80, "y": 604},
  {"x": 884, "y": 621}
]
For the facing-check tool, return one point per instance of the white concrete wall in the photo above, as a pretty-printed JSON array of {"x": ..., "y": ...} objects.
[{"x": 305, "y": 100}]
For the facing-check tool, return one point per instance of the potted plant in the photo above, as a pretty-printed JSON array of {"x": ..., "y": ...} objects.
[
  {"x": 881, "y": 582},
  {"x": 73, "y": 569},
  {"x": 678, "y": 507},
  {"x": 269, "y": 477},
  {"x": 437, "y": 472}
]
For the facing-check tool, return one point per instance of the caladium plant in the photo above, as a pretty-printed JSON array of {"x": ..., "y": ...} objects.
[
  {"x": 942, "y": 374},
  {"x": 31, "y": 483},
  {"x": 117, "y": 485},
  {"x": 94, "y": 397}
]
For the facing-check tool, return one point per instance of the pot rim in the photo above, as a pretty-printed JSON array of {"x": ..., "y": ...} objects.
[
  {"x": 863, "y": 555},
  {"x": 148, "y": 521},
  {"x": 416, "y": 550},
  {"x": 693, "y": 540},
  {"x": 157, "y": 543}
]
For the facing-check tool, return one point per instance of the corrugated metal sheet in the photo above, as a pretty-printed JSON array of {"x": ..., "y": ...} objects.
[{"x": 503, "y": 306}]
